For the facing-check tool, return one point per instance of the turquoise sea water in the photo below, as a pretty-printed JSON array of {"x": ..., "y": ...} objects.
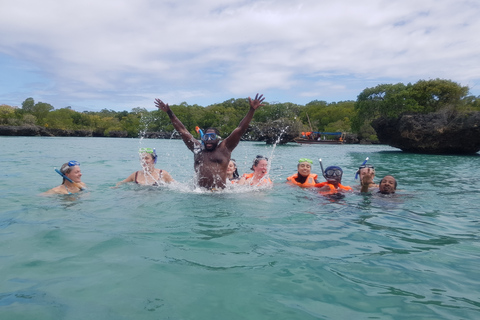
[{"x": 280, "y": 253}]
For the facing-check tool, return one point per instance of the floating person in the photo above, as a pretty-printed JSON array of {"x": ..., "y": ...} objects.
[
  {"x": 366, "y": 173},
  {"x": 304, "y": 177},
  {"x": 72, "y": 179},
  {"x": 259, "y": 175},
  {"x": 150, "y": 175},
  {"x": 333, "y": 175},
  {"x": 388, "y": 185},
  {"x": 232, "y": 171},
  {"x": 212, "y": 156}
]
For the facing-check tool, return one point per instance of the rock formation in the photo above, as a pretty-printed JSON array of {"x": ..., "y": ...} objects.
[{"x": 434, "y": 133}]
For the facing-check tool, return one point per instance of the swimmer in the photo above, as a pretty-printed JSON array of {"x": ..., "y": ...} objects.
[
  {"x": 259, "y": 176},
  {"x": 232, "y": 171},
  {"x": 72, "y": 179},
  {"x": 333, "y": 175},
  {"x": 366, "y": 173},
  {"x": 150, "y": 175},
  {"x": 304, "y": 177},
  {"x": 388, "y": 185},
  {"x": 212, "y": 156}
]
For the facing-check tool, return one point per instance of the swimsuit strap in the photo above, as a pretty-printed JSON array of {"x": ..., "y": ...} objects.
[
  {"x": 68, "y": 191},
  {"x": 136, "y": 173}
]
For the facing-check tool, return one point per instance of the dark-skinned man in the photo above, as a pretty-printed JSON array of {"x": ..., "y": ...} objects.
[{"x": 211, "y": 156}]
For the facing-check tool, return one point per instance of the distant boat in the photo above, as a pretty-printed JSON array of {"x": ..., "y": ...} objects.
[{"x": 321, "y": 138}]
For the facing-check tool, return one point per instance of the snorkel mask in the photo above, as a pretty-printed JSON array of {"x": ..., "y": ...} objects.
[
  {"x": 151, "y": 151},
  {"x": 72, "y": 163},
  {"x": 210, "y": 136},
  {"x": 333, "y": 173},
  {"x": 364, "y": 165},
  {"x": 305, "y": 160}
]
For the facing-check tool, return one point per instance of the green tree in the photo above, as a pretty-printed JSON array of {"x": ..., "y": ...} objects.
[
  {"x": 433, "y": 95},
  {"x": 40, "y": 111},
  {"x": 28, "y": 105}
]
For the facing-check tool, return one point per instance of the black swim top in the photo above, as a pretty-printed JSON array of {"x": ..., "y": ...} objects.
[{"x": 155, "y": 184}]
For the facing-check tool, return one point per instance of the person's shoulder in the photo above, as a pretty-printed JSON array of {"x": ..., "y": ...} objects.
[{"x": 57, "y": 190}]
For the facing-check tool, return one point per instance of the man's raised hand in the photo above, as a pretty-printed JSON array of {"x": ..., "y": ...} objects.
[
  {"x": 257, "y": 102},
  {"x": 161, "y": 105}
]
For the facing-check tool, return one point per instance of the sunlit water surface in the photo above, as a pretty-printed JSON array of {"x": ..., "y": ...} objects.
[{"x": 281, "y": 253}]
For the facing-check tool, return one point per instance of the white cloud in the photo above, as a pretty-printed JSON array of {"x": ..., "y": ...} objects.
[{"x": 124, "y": 53}]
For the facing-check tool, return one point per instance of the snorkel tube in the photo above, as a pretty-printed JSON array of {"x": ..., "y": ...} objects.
[
  {"x": 358, "y": 171},
  {"x": 69, "y": 180},
  {"x": 197, "y": 128},
  {"x": 323, "y": 171}
]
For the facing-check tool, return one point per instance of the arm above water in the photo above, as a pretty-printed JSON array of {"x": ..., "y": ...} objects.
[
  {"x": 167, "y": 177},
  {"x": 187, "y": 137},
  {"x": 130, "y": 178},
  {"x": 234, "y": 138}
]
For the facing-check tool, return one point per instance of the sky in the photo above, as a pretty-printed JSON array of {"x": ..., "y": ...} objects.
[{"x": 122, "y": 54}]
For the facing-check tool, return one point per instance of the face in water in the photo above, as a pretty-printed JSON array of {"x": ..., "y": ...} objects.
[
  {"x": 75, "y": 174},
  {"x": 261, "y": 168},
  {"x": 210, "y": 139},
  {"x": 304, "y": 168},
  {"x": 231, "y": 168},
  {"x": 388, "y": 185},
  {"x": 147, "y": 161}
]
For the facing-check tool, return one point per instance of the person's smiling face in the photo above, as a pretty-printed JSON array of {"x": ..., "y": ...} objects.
[
  {"x": 387, "y": 185},
  {"x": 304, "y": 168}
]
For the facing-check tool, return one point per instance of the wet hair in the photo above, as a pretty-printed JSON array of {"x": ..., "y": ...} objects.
[
  {"x": 235, "y": 173},
  {"x": 257, "y": 160},
  {"x": 66, "y": 169}
]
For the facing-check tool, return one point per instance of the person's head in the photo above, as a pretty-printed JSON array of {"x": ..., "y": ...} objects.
[
  {"x": 364, "y": 169},
  {"x": 333, "y": 174},
  {"x": 387, "y": 185},
  {"x": 211, "y": 138},
  {"x": 148, "y": 157},
  {"x": 260, "y": 165},
  {"x": 232, "y": 171},
  {"x": 304, "y": 166},
  {"x": 71, "y": 170}
]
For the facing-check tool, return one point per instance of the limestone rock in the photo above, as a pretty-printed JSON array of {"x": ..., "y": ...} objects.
[{"x": 434, "y": 133}]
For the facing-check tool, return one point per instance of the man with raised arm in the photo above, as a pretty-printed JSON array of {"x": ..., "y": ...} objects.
[{"x": 211, "y": 156}]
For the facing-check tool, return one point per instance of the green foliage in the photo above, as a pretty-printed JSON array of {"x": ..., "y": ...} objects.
[
  {"x": 384, "y": 100},
  {"x": 6, "y": 112},
  {"x": 28, "y": 105},
  {"x": 393, "y": 100}
]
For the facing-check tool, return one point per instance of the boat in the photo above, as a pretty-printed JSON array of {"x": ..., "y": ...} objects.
[{"x": 315, "y": 137}]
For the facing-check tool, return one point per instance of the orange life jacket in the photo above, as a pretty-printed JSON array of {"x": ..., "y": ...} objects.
[
  {"x": 332, "y": 187},
  {"x": 261, "y": 182},
  {"x": 309, "y": 183}
]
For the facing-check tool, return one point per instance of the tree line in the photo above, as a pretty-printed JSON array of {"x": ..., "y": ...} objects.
[{"x": 384, "y": 100}]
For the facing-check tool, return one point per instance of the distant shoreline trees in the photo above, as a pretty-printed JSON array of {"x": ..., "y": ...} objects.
[{"x": 384, "y": 100}]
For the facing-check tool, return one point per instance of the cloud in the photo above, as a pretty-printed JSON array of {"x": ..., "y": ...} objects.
[{"x": 121, "y": 54}]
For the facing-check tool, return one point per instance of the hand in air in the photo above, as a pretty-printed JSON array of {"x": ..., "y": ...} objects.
[
  {"x": 257, "y": 102},
  {"x": 367, "y": 177},
  {"x": 161, "y": 105}
]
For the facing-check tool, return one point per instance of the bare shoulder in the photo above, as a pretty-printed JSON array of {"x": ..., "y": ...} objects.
[{"x": 57, "y": 190}]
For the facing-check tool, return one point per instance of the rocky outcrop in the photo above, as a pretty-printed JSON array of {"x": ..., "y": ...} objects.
[
  {"x": 435, "y": 133},
  {"x": 274, "y": 132}
]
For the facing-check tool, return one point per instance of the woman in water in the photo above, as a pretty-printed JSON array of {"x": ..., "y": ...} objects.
[
  {"x": 150, "y": 175},
  {"x": 72, "y": 179},
  {"x": 304, "y": 177},
  {"x": 232, "y": 172},
  {"x": 259, "y": 176}
]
